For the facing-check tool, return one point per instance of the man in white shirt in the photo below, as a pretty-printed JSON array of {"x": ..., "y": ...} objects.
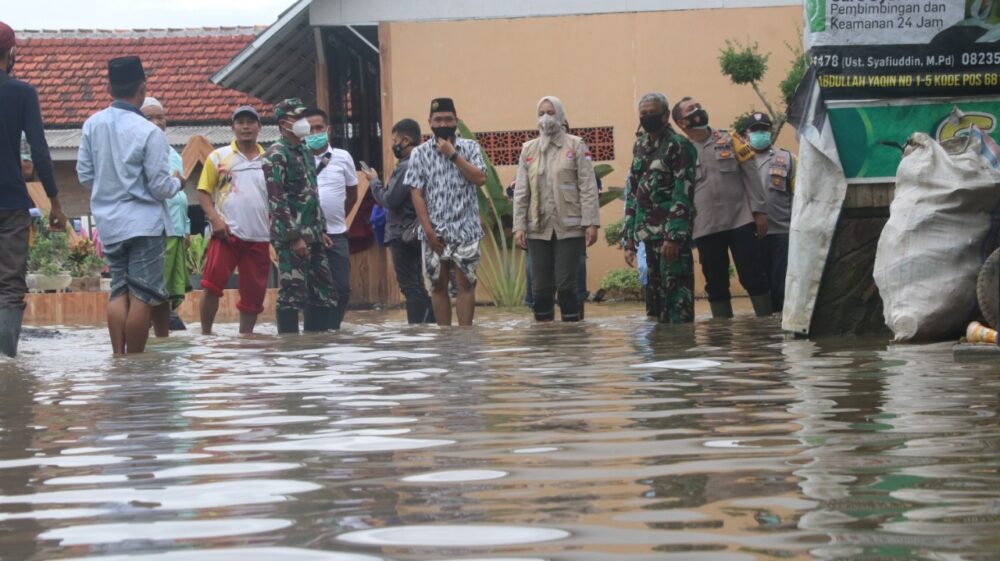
[{"x": 338, "y": 193}]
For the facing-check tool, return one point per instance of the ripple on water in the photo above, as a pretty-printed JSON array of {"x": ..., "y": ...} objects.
[
  {"x": 680, "y": 364},
  {"x": 456, "y": 476},
  {"x": 178, "y": 497},
  {"x": 239, "y": 554},
  {"x": 194, "y": 470},
  {"x": 338, "y": 444},
  {"x": 454, "y": 536},
  {"x": 163, "y": 531}
]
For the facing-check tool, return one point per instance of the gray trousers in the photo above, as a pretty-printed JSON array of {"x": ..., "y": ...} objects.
[
  {"x": 554, "y": 267},
  {"x": 339, "y": 257},
  {"x": 14, "y": 228}
]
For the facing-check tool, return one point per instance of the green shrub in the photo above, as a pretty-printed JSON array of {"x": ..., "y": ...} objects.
[
  {"x": 624, "y": 282},
  {"x": 613, "y": 232}
]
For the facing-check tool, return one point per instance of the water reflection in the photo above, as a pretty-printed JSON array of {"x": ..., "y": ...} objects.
[{"x": 613, "y": 439}]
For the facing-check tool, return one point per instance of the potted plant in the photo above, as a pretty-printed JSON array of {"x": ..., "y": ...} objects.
[
  {"x": 196, "y": 258},
  {"x": 47, "y": 257},
  {"x": 84, "y": 266}
]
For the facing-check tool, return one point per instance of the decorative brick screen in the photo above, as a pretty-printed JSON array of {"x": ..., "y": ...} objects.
[{"x": 504, "y": 147}]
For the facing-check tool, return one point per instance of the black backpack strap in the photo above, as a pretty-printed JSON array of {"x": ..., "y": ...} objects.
[{"x": 323, "y": 162}]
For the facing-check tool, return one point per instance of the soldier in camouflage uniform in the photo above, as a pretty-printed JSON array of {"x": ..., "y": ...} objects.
[
  {"x": 658, "y": 210},
  {"x": 297, "y": 225}
]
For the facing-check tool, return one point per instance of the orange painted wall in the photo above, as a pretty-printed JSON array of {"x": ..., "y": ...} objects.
[{"x": 496, "y": 70}]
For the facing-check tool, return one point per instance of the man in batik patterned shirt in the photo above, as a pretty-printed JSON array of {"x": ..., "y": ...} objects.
[{"x": 445, "y": 174}]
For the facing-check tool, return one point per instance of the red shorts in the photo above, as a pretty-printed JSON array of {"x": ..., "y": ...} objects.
[{"x": 252, "y": 259}]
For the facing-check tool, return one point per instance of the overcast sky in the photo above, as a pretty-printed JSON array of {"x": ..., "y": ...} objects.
[{"x": 139, "y": 14}]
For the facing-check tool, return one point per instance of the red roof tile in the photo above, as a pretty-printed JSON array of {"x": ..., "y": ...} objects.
[{"x": 68, "y": 68}]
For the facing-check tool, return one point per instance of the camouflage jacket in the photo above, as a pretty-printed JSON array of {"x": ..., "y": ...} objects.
[
  {"x": 659, "y": 189},
  {"x": 292, "y": 193}
]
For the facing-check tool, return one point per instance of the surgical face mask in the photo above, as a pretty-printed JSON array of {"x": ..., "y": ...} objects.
[
  {"x": 301, "y": 128},
  {"x": 652, "y": 123},
  {"x": 548, "y": 124},
  {"x": 444, "y": 132},
  {"x": 316, "y": 141},
  {"x": 760, "y": 140},
  {"x": 397, "y": 150},
  {"x": 698, "y": 119}
]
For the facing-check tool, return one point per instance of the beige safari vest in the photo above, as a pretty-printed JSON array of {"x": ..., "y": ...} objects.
[{"x": 555, "y": 192}]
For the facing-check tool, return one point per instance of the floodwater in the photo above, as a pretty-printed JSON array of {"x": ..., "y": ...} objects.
[{"x": 615, "y": 439}]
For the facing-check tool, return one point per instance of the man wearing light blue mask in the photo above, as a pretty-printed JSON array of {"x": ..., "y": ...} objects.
[
  {"x": 337, "y": 179},
  {"x": 776, "y": 167}
]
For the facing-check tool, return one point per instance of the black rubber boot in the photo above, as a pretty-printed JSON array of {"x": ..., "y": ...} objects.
[
  {"x": 316, "y": 319},
  {"x": 652, "y": 310},
  {"x": 545, "y": 308},
  {"x": 569, "y": 306},
  {"x": 722, "y": 310},
  {"x": 581, "y": 309},
  {"x": 762, "y": 305},
  {"x": 176, "y": 323},
  {"x": 288, "y": 320},
  {"x": 10, "y": 330}
]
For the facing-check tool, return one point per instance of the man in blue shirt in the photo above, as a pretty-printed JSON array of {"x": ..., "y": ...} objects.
[
  {"x": 123, "y": 159},
  {"x": 19, "y": 114}
]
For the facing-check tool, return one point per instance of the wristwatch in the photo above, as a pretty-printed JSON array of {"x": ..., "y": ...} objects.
[{"x": 453, "y": 157}]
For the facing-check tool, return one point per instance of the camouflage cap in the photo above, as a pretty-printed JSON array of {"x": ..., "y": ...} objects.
[{"x": 291, "y": 107}]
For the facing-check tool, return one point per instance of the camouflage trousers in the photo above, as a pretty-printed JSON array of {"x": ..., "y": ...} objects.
[
  {"x": 672, "y": 284},
  {"x": 304, "y": 281}
]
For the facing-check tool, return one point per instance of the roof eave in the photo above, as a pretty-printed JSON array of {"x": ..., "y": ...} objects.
[{"x": 228, "y": 76}]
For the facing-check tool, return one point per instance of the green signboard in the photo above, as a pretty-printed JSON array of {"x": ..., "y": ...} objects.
[
  {"x": 877, "y": 49},
  {"x": 870, "y": 135}
]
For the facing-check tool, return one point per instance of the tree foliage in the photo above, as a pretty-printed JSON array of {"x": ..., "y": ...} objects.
[{"x": 744, "y": 64}]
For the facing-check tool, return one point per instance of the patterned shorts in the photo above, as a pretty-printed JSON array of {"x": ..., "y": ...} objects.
[{"x": 465, "y": 257}]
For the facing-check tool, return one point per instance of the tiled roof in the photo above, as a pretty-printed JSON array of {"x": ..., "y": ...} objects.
[
  {"x": 178, "y": 137},
  {"x": 69, "y": 70}
]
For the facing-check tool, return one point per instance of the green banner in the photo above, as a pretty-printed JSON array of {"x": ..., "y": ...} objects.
[{"x": 869, "y": 135}]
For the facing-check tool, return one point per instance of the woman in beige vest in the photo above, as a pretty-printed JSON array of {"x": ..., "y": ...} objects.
[{"x": 556, "y": 210}]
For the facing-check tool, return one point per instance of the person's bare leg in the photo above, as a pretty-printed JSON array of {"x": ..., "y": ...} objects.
[
  {"x": 209, "y": 307},
  {"x": 247, "y": 321},
  {"x": 465, "y": 302},
  {"x": 117, "y": 313},
  {"x": 137, "y": 326},
  {"x": 161, "y": 319},
  {"x": 440, "y": 299}
]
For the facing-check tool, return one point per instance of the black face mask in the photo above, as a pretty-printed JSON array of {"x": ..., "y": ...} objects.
[
  {"x": 10, "y": 67},
  {"x": 697, "y": 119},
  {"x": 446, "y": 133},
  {"x": 652, "y": 123},
  {"x": 397, "y": 150}
]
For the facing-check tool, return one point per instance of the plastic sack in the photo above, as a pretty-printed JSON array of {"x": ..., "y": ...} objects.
[
  {"x": 640, "y": 262},
  {"x": 929, "y": 253}
]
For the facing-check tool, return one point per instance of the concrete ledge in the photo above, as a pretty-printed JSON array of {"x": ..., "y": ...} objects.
[
  {"x": 90, "y": 308},
  {"x": 966, "y": 352}
]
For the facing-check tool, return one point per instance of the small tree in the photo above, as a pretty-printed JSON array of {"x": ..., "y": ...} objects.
[{"x": 745, "y": 65}]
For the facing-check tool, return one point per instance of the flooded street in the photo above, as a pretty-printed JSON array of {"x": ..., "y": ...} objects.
[{"x": 615, "y": 439}]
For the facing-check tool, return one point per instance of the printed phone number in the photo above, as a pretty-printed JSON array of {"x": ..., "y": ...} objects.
[{"x": 981, "y": 58}]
